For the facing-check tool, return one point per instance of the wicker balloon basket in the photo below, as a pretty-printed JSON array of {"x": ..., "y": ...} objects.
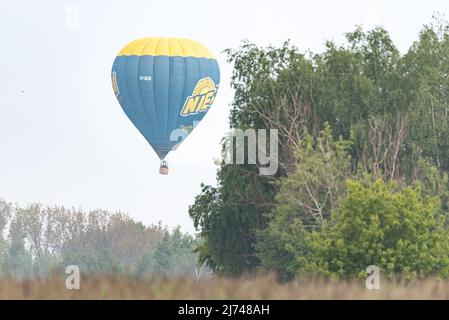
[{"x": 163, "y": 169}]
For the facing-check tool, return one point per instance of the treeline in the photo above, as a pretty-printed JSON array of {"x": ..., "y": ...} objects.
[
  {"x": 37, "y": 240},
  {"x": 363, "y": 155}
]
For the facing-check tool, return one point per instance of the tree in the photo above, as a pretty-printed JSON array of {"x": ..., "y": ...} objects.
[
  {"x": 425, "y": 84},
  {"x": 173, "y": 256},
  {"x": 268, "y": 94},
  {"x": 106, "y": 242},
  {"x": 19, "y": 262},
  {"x": 396, "y": 229},
  {"x": 5, "y": 215},
  {"x": 36, "y": 240},
  {"x": 304, "y": 202},
  {"x": 228, "y": 220}
]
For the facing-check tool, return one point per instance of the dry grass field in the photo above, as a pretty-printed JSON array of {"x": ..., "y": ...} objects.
[{"x": 262, "y": 287}]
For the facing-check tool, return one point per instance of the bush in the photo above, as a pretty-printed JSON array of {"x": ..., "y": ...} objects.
[{"x": 396, "y": 229}]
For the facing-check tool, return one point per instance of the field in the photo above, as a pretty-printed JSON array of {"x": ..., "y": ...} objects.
[{"x": 262, "y": 287}]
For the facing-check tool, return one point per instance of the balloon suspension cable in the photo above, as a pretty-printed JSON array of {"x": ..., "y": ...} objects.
[{"x": 163, "y": 169}]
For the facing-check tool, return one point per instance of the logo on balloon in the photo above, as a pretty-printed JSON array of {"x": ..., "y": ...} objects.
[
  {"x": 201, "y": 99},
  {"x": 114, "y": 84}
]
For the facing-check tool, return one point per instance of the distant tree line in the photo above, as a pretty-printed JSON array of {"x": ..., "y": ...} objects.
[
  {"x": 37, "y": 240},
  {"x": 364, "y": 161}
]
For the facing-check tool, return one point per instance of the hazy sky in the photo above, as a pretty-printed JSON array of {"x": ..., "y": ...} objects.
[{"x": 65, "y": 139}]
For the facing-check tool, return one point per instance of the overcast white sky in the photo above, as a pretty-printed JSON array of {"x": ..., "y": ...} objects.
[{"x": 65, "y": 140}]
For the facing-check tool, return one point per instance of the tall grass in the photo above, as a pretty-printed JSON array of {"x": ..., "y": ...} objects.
[{"x": 261, "y": 287}]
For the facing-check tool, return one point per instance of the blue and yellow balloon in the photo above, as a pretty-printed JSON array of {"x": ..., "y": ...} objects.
[{"x": 165, "y": 86}]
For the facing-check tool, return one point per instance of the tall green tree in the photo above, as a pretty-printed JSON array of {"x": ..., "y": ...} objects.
[{"x": 229, "y": 215}]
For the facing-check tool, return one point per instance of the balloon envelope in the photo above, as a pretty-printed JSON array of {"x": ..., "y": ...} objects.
[{"x": 165, "y": 86}]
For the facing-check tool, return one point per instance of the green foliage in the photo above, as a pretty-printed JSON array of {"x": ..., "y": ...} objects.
[
  {"x": 256, "y": 70},
  {"x": 357, "y": 111},
  {"x": 425, "y": 68},
  {"x": 228, "y": 216},
  {"x": 228, "y": 220},
  {"x": 304, "y": 236},
  {"x": 433, "y": 182},
  {"x": 396, "y": 229},
  {"x": 39, "y": 240},
  {"x": 311, "y": 190},
  {"x": 304, "y": 202},
  {"x": 18, "y": 261},
  {"x": 172, "y": 256}
]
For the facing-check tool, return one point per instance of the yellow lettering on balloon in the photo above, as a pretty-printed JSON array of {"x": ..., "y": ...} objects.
[
  {"x": 201, "y": 103},
  {"x": 209, "y": 99},
  {"x": 190, "y": 105}
]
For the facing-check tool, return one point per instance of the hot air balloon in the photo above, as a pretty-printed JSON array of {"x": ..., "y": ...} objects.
[{"x": 165, "y": 87}]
